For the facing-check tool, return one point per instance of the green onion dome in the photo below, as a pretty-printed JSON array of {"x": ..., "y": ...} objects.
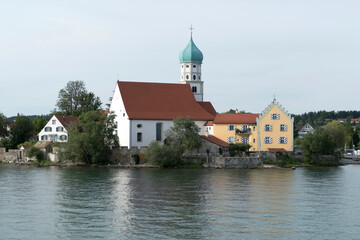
[{"x": 191, "y": 53}]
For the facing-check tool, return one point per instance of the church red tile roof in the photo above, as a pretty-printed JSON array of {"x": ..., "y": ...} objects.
[
  {"x": 208, "y": 107},
  {"x": 66, "y": 120},
  {"x": 216, "y": 140},
  {"x": 163, "y": 101},
  {"x": 235, "y": 118}
]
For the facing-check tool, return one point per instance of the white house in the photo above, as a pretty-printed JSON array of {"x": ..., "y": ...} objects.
[
  {"x": 305, "y": 130},
  {"x": 55, "y": 129}
]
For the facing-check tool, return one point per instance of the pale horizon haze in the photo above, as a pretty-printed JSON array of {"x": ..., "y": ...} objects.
[{"x": 306, "y": 53}]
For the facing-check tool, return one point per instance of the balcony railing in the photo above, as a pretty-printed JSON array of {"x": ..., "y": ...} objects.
[{"x": 243, "y": 132}]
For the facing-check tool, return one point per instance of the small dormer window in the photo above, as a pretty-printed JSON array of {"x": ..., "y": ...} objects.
[{"x": 53, "y": 122}]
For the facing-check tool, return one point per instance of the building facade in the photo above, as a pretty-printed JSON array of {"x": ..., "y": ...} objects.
[
  {"x": 275, "y": 129},
  {"x": 56, "y": 129}
]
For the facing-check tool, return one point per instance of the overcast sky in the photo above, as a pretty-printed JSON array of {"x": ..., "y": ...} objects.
[{"x": 306, "y": 52}]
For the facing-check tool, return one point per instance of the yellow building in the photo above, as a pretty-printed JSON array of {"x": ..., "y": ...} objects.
[
  {"x": 236, "y": 128},
  {"x": 275, "y": 129},
  {"x": 272, "y": 130}
]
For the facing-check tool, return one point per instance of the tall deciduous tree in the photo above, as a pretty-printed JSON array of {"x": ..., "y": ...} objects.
[
  {"x": 3, "y": 127},
  {"x": 91, "y": 138},
  {"x": 21, "y": 131},
  {"x": 74, "y": 99},
  {"x": 39, "y": 123}
]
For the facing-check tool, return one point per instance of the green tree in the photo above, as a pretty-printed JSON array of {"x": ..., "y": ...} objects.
[
  {"x": 182, "y": 137},
  {"x": 91, "y": 138},
  {"x": 35, "y": 152},
  {"x": 39, "y": 123},
  {"x": 325, "y": 141},
  {"x": 22, "y": 131},
  {"x": 237, "y": 148},
  {"x": 3, "y": 127},
  {"x": 74, "y": 99}
]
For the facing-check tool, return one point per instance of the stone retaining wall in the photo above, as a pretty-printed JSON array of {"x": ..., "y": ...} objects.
[{"x": 234, "y": 162}]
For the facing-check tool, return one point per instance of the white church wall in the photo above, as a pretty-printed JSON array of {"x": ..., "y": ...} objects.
[
  {"x": 122, "y": 121},
  {"x": 148, "y": 130}
]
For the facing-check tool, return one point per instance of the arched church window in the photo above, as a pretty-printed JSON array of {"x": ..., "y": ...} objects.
[
  {"x": 187, "y": 76},
  {"x": 194, "y": 89},
  {"x": 194, "y": 77},
  {"x": 199, "y": 77}
]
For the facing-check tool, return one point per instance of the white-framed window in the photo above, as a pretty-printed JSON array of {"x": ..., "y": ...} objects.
[
  {"x": 274, "y": 116},
  {"x": 282, "y": 140},
  {"x": 48, "y": 129},
  {"x": 231, "y": 139},
  {"x": 244, "y": 127},
  {"x": 244, "y": 140},
  {"x": 231, "y": 127},
  {"x": 44, "y": 137},
  {"x": 63, "y": 137},
  {"x": 59, "y": 129},
  {"x": 53, "y": 122},
  {"x": 267, "y": 140},
  {"x": 283, "y": 127},
  {"x": 253, "y": 140},
  {"x": 268, "y": 127}
]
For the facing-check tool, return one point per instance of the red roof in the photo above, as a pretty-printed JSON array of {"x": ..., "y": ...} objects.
[
  {"x": 235, "y": 118},
  {"x": 208, "y": 107},
  {"x": 216, "y": 140},
  {"x": 163, "y": 101},
  {"x": 209, "y": 123},
  {"x": 66, "y": 120}
]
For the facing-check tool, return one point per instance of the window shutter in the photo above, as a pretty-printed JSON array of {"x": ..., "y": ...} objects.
[
  {"x": 279, "y": 139},
  {"x": 270, "y": 127},
  {"x": 242, "y": 128},
  {"x": 285, "y": 127},
  {"x": 264, "y": 127},
  {"x": 285, "y": 140}
]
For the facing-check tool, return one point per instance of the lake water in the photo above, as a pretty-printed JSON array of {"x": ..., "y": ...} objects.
[{"x": 101, "y": 203}]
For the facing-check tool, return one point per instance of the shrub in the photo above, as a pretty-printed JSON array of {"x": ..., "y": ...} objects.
[{"x": 35, "y": 152}]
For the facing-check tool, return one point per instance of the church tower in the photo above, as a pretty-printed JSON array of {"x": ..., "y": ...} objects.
[{"x": 190, "y": 62}]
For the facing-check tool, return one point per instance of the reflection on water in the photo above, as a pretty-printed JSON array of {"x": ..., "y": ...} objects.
[{"x": 102, "y": 203}]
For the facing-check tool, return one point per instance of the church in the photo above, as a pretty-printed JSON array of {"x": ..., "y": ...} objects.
[{"x": 144, "y": 111}]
